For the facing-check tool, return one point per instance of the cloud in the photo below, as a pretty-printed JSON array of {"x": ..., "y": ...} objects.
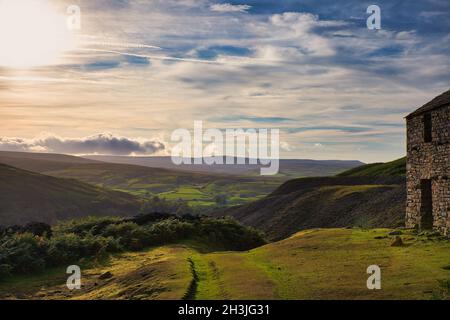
[
  {"x": 227, "y": 7},
  {"x": 255, "y": 119},
  {"x": 285, "y": 146},
  {"x": 298, "y": 29},
  {"x": 315, "y": 71},
  {"x": 106, "y": 144}
]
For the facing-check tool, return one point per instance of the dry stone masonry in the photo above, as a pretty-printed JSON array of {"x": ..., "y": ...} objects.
[{"x": 428, "y": 162}]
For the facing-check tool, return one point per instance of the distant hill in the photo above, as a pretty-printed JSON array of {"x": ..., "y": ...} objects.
[
  {"x": 41, "y": 162},
  {"x": 289, "y": 168},
  {"x": 325, "y": 202},
  {"x": 199, "y": 188},
  {"x": 393, "y": 168},
  {"x": 27, "y": 196},
  {"x": 91, "y": 171},
  {"x": 52, "y": 157}
]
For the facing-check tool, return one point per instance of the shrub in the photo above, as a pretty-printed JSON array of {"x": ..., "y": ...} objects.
[
  {"x": 5, "y": 270},
  {"x": 169, "y": 230},
  {"x": 93, "y": 225},
  {"x": 23, "y": 253},
  {"x": 128, "y": 234},
  {"x": 70, "y": 248},
  {"x": 230, "y": 234},
  {"x": 97, "y": 237}
]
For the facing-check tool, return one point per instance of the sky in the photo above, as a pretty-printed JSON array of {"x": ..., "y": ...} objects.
[{"x": 138, "y": 69}]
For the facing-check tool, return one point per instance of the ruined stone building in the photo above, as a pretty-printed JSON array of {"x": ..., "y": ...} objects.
[{"x": 428, "y": 164}]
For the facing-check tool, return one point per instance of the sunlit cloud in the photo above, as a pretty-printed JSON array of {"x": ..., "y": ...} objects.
[{"x": 106, "y": 144}]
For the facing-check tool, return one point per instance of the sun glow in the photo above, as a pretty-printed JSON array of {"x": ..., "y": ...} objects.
[{"x": 32, "y": 33}]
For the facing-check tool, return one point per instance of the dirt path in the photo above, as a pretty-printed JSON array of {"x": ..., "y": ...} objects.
[{"x": 227, "y": 276}]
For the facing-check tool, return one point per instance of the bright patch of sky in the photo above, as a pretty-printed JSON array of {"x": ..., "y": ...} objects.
[{"x": 142, "y": 69}]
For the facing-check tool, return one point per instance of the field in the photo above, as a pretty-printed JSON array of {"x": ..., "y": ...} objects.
[
  {"x": 198, "y": 190},
  {"x": 313, "y": 264},
  {"x": 234, "y": 194},
  {"x": 201, "y": 186}
]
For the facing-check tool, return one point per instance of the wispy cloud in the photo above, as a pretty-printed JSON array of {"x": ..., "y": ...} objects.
[
  {"x": 255, "y": 119},
  {"x": 151, "y": 57},
  {"x": 227, "y": 7}
]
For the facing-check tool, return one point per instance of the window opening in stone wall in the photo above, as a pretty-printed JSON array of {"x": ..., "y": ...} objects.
[{"x": 427, "y": 128}]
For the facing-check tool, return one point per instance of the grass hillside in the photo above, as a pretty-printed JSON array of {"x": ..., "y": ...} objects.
[
  {"x": 27, "y": 196},
  {"x": 199, "y": 189},
  {"x": 370, "y": 196},
  {"x": 313, "y": 264},
  {"x": 393, "y": 168},
  {"x": 323, "y": 203}
]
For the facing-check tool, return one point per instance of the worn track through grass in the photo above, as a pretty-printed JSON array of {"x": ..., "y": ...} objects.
[
  {"x": 192, "y": 289},
  {"x": 313, "y": 264}
]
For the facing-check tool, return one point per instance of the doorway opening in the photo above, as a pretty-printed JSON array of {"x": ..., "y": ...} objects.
[{"x": 426, "y": 205}]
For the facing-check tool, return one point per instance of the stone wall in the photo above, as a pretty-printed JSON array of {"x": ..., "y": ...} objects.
[{"x": 429, "y": 161}]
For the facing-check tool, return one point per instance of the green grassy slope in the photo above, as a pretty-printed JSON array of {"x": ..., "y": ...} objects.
[
  {"x": 330, "y": 264},
  {"x": 393, "y": 168},
  {"x": 369, "y": 196},
  {"x": 27, "y": 196},
  {"x": 325, "y": 202},
  {"x": 313, "y": 264}
]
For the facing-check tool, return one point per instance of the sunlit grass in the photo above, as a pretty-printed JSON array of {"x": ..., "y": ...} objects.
[{"x": 313, "y": 264}]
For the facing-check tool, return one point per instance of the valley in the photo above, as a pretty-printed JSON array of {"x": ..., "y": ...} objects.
[
  {"x": 200, "y": 190},
  {"x": 202, "y": 187}
]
